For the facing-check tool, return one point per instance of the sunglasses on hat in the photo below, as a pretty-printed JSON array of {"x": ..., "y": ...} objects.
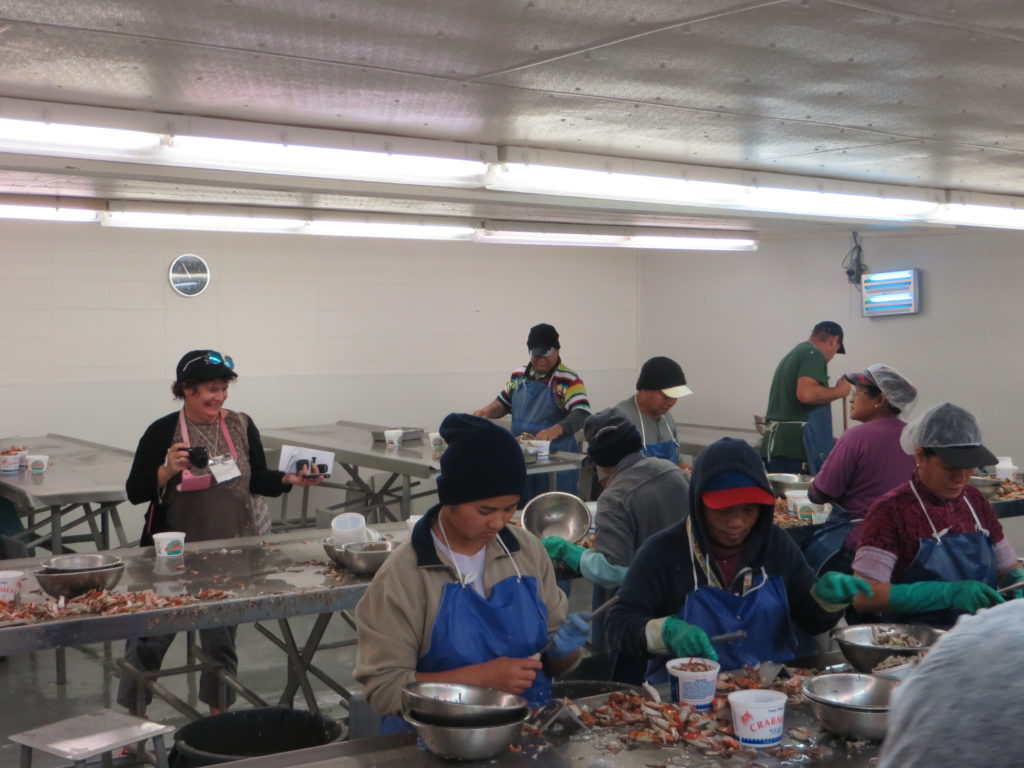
[{"x": 213, "y": 358}]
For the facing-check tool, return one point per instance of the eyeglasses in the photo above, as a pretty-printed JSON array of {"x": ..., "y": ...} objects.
[{"x": 214, "y": 358}]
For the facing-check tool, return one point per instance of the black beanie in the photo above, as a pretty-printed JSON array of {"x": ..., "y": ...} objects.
[
  {"x": 611, "y": 437},
  {"x": 482, "y": 461}
]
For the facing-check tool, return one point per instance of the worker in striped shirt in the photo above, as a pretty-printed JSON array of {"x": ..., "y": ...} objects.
[{"x": 546, "y": 399}]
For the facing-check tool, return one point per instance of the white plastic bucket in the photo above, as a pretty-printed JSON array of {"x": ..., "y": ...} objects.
[
  {"x": 694, "y": 687},
  {"x": 348, "y": 527},
  {"x": 758, "y": 717},
  {"x": 169, "y": 544}
]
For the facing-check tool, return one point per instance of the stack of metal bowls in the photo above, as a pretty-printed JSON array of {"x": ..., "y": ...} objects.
[
  {"x": 73, "y": 575},
  {"x": 783, "y": 481},
  {"x": 860, "y": 646},
  {"x": 464, "y": 722},
  {"x": 851, "y": 704},
  {"x": 557, "y": 514},
  {"x": 362, "y": 557},
  {"x": 989, "y": 486}
]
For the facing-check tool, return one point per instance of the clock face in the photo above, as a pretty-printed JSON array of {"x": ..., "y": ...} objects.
[{"x": 189, "y": 275}]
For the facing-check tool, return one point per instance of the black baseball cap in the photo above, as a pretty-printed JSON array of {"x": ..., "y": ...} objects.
[
  {"x": 831, "y": 328},
  {"x": 205, "y": 365},
  {"x": 542, "y": 339}
]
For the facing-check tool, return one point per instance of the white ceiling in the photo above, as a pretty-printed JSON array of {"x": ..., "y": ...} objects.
[{"x": 910, "y": 92}]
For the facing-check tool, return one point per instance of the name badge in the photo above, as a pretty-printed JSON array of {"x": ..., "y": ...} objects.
[{"x": 224, "y": 469}]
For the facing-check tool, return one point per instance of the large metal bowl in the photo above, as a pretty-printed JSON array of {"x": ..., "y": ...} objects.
[
  {"x": 78, "y": 583},
  {"x": 365, "y": 557},
  {"x": 860, "y": 649},
  {"x": 454, "y": 743},
  {"x": 457, "y": 705},
  {"x": 850, "y": 704},
  {"x": 989, "y": 486},
  {"x": 783, "y": 481},
  {"x": 557, "y": 514},
  {"x": 76, "y": 563}
]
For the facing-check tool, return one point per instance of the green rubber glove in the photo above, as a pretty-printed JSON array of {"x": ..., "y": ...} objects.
[
  {"x": 1012, "y": 577},
  {"x": 684, "y": 639},
  {"x": 560, "y": 549},
  {"x": 924, "y": 596},
  {"x": 836, "y": 590}
]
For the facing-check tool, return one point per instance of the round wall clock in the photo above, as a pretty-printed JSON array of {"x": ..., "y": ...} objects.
[{"x": 189, "y": 275}]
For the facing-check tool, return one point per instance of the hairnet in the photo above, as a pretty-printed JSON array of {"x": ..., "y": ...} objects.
[
  {"x": 942, "y": 426},
  {"x": 899, "y": 392}
]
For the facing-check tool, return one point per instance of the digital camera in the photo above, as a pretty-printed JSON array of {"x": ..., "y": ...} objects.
[{"x": 198, "y": 456}]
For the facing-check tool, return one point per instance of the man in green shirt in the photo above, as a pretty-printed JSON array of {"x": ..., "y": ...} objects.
[{"x": 798, "y": 403}]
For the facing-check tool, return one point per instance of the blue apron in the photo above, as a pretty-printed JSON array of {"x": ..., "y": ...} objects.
[
  {"x": 763, "y": 611},
  {"x": 817, "y": 436},
  {"x": 471, "y": 629},
  {"x": 534, "y": 408},
  {"x": 663, "y": 449},
  {"x": 825, "y": 543},
  {"x": 949, "y": 558}
]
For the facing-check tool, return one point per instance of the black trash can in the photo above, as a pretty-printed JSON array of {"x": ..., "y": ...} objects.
[{"x": 249, "y": 733}]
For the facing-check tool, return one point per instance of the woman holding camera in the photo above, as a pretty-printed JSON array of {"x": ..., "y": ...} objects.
[{"x": 203, "y": 472}]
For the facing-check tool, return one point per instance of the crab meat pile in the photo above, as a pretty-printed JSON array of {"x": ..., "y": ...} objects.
[
  {"x": 98, "y": 602},
  {"x": 749, "y": 678},
  {"x": 894, "y": 638},
  {"x": 658, "y": 724}
]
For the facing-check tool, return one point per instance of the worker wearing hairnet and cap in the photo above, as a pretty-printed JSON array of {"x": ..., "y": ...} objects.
[
  {"x": 933, "y": 548},
  {"x": 866, "y": 463}
]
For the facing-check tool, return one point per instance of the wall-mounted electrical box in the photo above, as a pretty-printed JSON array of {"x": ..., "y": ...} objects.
[{"x": 890, "y": 293}]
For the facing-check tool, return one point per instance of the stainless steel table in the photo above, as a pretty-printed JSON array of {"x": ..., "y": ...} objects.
[
  {"x": 694, "y": 438},
  {"x": 271, "y": 578},
  {"x": 584, "y": 750},
  {"x": 355, "y": 451},
  {"x": 81, "y": 476}
]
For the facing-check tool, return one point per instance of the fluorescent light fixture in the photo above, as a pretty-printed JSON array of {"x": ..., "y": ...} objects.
[
  {"x": 320, "y": 162},
  {"x": 969, "y": 215},
  {"x": 549, "y": 238},
  {"x": 612, "y": 185},
  {"x": 684, "y": 243},
  {"x": 890, "y": 293},
  {"x": 388, "y": 229},
  {"x": 201, "y": 221},
  {"x": 46, "y": 213},
  {"x": 79, "y": 140}
]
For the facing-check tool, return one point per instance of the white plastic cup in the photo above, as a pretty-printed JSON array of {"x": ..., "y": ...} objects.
[
  {"x": 1007, "y": 472},
  {"x": 797, "y": 499},
  {"x": 696, "y": 688},
  {"x": 37, "y": 463},
  {"x": 348, "y": 527},
  {"x": 413, "y": 519},
  {"x": 23, "y": 459},
  {"x": 169, "y": 543},
  {"x": 820, "y": 513},
  {"x": 10, "y": 585},
  {"x": 393, "y": 436},
  {"x": 10, "y": 462},
  {"x": 543, "y": 448},
  {"x": 436, "y": 441},
  {"x": 758, "y": 717}
]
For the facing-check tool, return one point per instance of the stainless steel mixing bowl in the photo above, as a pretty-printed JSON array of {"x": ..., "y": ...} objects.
[
  {"x": 860, "y": 649},
  {"x": 557, "y": 514},
  {"x": 76, "y": 563},
  {"x": 851, "y": 704},
  {"x": 989, "y": 486},
  {"x": 454, "y": 743},
  {"x": 454, "y": 704},
  {"x": 783, "y": 481},
  {"x": 79, "y": 582},
  {"x": 364, "y": 557}
]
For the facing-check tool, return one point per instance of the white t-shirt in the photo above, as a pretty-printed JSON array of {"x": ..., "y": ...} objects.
[{"x": 470, "y": 566}]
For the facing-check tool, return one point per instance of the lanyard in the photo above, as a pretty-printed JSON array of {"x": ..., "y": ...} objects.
[
  {"x": 455, "y": 565},
  {"x": 223, "y": 429},
  {"x": 643, "y": 432}
]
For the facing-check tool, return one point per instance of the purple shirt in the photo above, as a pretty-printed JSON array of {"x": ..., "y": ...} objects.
[{"x": 866, "y": 463}]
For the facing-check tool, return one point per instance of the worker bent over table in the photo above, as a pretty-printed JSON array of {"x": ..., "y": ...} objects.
[
  {"x": 727, "y": 567},
  {"x": 468, "y": 599}
]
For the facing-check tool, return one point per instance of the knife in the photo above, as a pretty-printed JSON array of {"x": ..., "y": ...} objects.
[
  {"x": 1011, "y": 587},
  {"x": 739, "y": 634},
  {"x": 594, "y": 614}
]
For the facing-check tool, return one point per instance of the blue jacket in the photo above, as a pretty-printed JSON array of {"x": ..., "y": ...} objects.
[{"x": 661, "y": 576}]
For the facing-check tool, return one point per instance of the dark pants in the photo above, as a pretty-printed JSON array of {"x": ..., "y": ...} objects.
[
  {"x": 147, "y": 654},
  {"x": 785, "y": 464}
]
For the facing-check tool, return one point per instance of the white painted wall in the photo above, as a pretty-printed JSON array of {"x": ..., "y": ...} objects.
[
  {"x": 320, "y": 328},
  {"x": 729, "y": 318}
]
